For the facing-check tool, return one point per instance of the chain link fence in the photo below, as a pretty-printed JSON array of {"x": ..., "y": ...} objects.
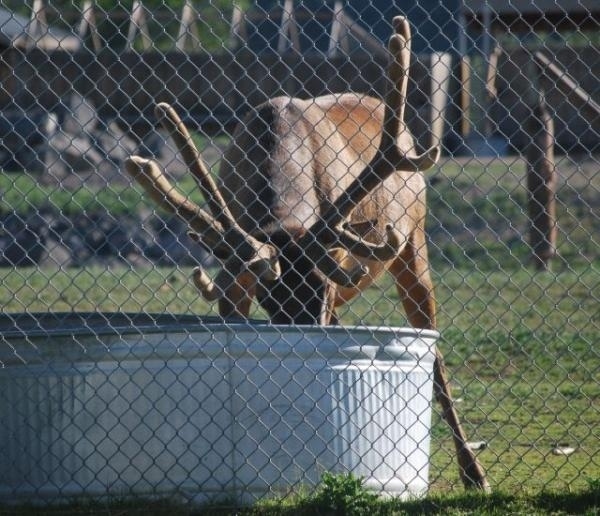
[{"x": 230, "y": 325}]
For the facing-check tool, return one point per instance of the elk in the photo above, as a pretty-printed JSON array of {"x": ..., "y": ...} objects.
[{"x": 317, "y": 198}]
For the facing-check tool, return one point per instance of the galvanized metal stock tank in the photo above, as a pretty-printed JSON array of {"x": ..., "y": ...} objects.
[{"x": 104, "y": 404}]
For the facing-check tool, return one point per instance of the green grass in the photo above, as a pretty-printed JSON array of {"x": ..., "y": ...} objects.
[
  {"x": 522, "y": 352},
  {"x": 521, "y": 346},
  {"x": 344, "y": 495},
  {"x": 22, "y": 193},
  {"x": 100, "y": 288}
]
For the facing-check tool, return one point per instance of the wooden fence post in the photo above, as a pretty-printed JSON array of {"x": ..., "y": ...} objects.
[
  {"x": 339, "y": 31},
  {"x": 137, "y": 21},
  {"x": 238, "y": 34},
  {"x": 541, "y": 184},
  {"x": 288, "y": 30},
  {"x": 38, "y": 24},
  {"x": 188, "y": 29},
  {"x": 88, "y": 22},
  {"x": 541, "y": 169}
]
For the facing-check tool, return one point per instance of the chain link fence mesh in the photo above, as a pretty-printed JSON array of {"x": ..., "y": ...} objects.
[{"x": 113, "y": 376}]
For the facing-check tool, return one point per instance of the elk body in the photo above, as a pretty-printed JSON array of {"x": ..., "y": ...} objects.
[
  {"x": 317, "y": 198},
  {"x": 291, "y": 159}
]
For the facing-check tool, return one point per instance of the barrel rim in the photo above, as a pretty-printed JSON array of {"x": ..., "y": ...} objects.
[{"x": 32, "y": 324}]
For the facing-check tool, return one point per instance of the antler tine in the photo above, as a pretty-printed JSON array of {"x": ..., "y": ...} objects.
[
  {"x": 383, "y": 252},
  {"x": 393, "y": 122},
  {"x": 180, "y": 134},
  {"x": 388, "y": 158},
  {"x": 395, "y": 101},
  {"x": 332, "y": 270},
  {"x": 209, "y": 289},
  {"x": 213, "y": 290},
  {"x": 151, "y": 178},
  {"x": 402, "y": 27},
  {"x": 263, "y": 266},
  {"x": 260, "y": 257}
]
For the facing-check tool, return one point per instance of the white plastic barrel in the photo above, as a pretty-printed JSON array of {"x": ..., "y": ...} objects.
[{"x": 121, "y": 404}]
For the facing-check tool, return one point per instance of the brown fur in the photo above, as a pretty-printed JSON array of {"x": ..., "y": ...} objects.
[{"x": 324, "y": 144}]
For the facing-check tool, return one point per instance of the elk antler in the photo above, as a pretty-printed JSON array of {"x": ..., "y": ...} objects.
[
  {"x": 152, "y": 179},
  {"x": 171, "y": 121},
  {"x": 219, "y": 232},
  {"x": 328, "y": 230},
  {"x": 383, "y": 252}
]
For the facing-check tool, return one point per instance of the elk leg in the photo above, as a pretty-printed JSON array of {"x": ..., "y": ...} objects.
[
  {"x": 328, "y": 313},
  {"x": 238, "y": 297},
  {"x": 471, "y": 472},
  {"x": 413, "y": 280}
]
